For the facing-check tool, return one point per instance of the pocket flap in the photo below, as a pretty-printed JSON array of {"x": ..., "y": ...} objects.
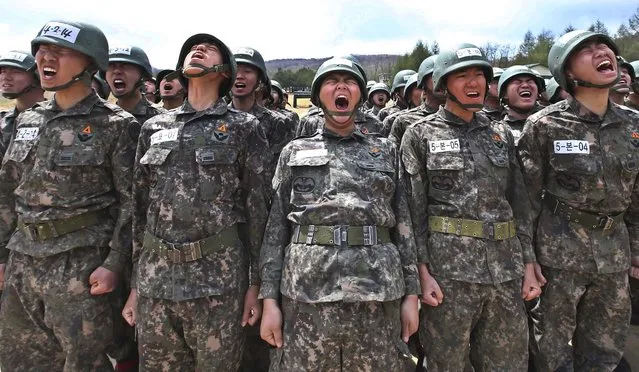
[
  {"x": 71, "y": 156},
  {"x": 444, "y": 162},
  {"x": 155, "y": 156}
]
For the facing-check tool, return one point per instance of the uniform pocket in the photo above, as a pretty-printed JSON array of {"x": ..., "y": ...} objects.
[
  {"x": 444, "y": 172},
  {"x": 574, "y": 177},
  {"x": 155, "y": 156},
  {"x": 310, "y": 179},
  {"x": 379, "y": 175},
  {"x": 216, "y": 170},
  {"x": 80, "y": 170},
  {"x": 20, "y": 150}
]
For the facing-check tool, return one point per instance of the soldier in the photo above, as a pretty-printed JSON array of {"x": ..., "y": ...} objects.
[
  {"x": 66, "y": 190},
  {"x": 518, "y": 89},
  {"x": 338, "y": 250},
  {"x": 554, "y": 93},
  {"x": 620, "y": 90},
  {"x": 431, "y": 102},
  {"x": 378, "y": 97},
  {"x": 413, "y": 98},
  {"x": 100, "y": 86},
  {"x": 252, "y": 78},
  {"x": 170, "y": 89},
  {"x": 20, "y": 81},
  {"x": 129, "y": 70},
  {"x": 397, "y": 93},
  {"x": 579, "y": 159},
  {"x": 149, "y": 89},
  {"x": 369, "y": 84},
  {"x": 199, "y": 217},
  {"x": 465, "y": 190},
  {"x": 492, "y": 106},
  {"x": 279, "y": 103},
  {"x": 632, "y": 100}
]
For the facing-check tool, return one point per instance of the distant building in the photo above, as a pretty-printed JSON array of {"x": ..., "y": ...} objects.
[{"x": 541, "y": 69}]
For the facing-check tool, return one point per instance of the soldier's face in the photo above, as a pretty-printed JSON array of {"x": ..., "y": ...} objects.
[
  {"x": 275, "y": 96},
  {"x": 204, "y": 54},
  {"x": 594, "y": 62},
  {"x": 623, "y": 86},
  {"x": 468, "y": 85},
  {"x": 14, "y": 80},
  {"x": 246, "y": 81},
  {"x": 340, "y": 92},
  {"x": 492, "y": 88},
  {"x": 58, "y": 65},
  {"x": 122, "y": 77},
  {"x": 380, "y": 99},
  {"x": 522, "y": 92},
  {"x": 170, "y": 86},
  {"x": 416, "y": 96}
]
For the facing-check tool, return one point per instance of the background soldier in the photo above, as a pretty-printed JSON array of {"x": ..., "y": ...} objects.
[
  {"x": 620, "y": 91},
  {"x": 492, "y": 106},
  {"x": 580, "y": 162},
  {"x": 170, "y": 89},
  {"x": 554, "y": 93},
  {"x": 66, "y": 189},
  {"x": 378, "y": 97},
  {"x": 199, "y": 218},
  {"x": 632, "y": 100},
  {"x": 279, "y": 103},
  {"x": 397, "y": 94},
  {"x": 100, "y": 86},
  {"x": 465, "y": 190},
  {"x": 20, "y": 81},
  {"x": 413, "y": 98}
]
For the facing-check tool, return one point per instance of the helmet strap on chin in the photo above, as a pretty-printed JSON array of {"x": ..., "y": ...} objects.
[
  {"x": 85, "y": 77},
  {"x": 465, "y": 106},
  {"x": 205, "y": 70}
]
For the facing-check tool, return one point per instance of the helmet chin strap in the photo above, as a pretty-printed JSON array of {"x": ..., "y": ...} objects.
[
  {"x": 181, "y": 91},
  {"x": 205, "y": 70},
  {"x": 465, "y": 106},
  {"x": 20, "y": 93},
  {"x": 85, "y": 77},
  {"x": 339, "y": 114},
  {"x": 587, "y": 84}
]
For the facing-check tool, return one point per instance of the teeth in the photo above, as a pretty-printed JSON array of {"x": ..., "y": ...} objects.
[
  {"x": 118, "y": 81},
  {"x": 472, "y": 94},
  {"x": 525, "y": 94},
  {"x": 49, "y": 69}
]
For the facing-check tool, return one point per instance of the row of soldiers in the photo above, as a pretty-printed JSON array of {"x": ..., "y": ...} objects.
[{"x": 195, "y": 219}]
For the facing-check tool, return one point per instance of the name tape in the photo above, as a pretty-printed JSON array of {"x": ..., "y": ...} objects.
[
  {"x": 16, "y": 56},
  {"x": 120, "y": 50},
  {"x": 27, "y": 134},
  {"x": 302, "y": 154},
  {"x": 246, "y": 51},
  {"x": 468, "y": 52},
  {"x": 165, "y": 135},
  {"x": 451, "y": 145},
  {"x": 572, "y": 147},
  {"x": 61, "y": 31}
]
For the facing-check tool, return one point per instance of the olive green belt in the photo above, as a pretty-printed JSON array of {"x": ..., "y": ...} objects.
[
  {"x": 52, "y": 229},
  {"x": 472, "y": 228},
  {"x": 191, "y": 251},
  {"x": 340, "y": 235},
  {"x": 590, "y": 220}
]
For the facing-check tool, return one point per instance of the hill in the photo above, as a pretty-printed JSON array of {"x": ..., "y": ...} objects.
[{"x": 374, "y": 65}]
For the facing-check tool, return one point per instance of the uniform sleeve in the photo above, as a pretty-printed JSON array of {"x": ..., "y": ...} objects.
[
  {"x": 403, "y": 233},
  {"x": 255, "y": 196},
  {"x": 415, "y": 182},
  {"x": 533, "y": 159},
  {"x": 10, "y": 174},
  {"x": 520, "y": 205},
  {"x": 632, "y": 220},
  {"x": 141, "y": 200},
  {"x": 387, "y": 124},
  {"x": 277, "y": 233},
  {"x": 122, "y": 160},
  {"x": 395, "y": 134}
]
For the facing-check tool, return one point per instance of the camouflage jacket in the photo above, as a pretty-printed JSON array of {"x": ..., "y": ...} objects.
[
  {"x": 516, "y": 126},
  {"x": 314, "y": 121},
  {"x": 493, "y": 115},
  {"x": 7, "y": 127},
  {"x": 145, "y": 110},
  {"x": 476, "y": 176},
  {"x": 330, "y": 180},
  {"x": 590, "y": 163},
  {"x": 631, "y": 105},
  {"x": 389, "y": 110},
  {"x": 196, "y": 174},
  {"x": 291, "y": 115},
  {"x": 62, "y": 164},
  {"x": 403, "y": 119}
]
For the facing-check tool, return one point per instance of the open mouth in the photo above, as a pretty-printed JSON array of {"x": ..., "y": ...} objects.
[
  {"x": 119, "y": 84},
  {"x": 525, "y": 94},
  {"x": 472, "y": 94},
  {"x": 605, "y": 66},
  {"x": 49, "y": 72},
  {"x": 240, "y": 85},
  {"x": 341, "y": 103},
  {"x": 168, "y": 86},
  {"x": 199, "y": 55}
]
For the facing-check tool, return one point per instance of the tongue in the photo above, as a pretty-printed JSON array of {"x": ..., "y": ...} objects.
[{"x": 341, "y": 103}]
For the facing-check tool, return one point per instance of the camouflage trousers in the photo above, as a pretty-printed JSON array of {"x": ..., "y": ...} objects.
[
  {"x": 203, "y": 334},
  {"x": 49, "y": 321},
  {"x": 591, "y": 310},
  {"x": 339, "y": 336},
  {"x": 485, "y": 323}
]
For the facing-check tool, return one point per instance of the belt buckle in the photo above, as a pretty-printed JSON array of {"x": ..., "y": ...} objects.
[
  {"x": 610, "y": 223},
  {"x": 52, "y": 228},
  {"x": 339, "y": 235},
  {"x": 174, "y": 254},
  {"x": 32, "y": 232},
  {"x": 309, "y": 234},
  {"x": 195, "y": 252},
  {"x": 370, "y": 235}
]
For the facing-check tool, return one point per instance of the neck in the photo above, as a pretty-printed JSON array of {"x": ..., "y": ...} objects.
[
  {"x": 432, "y": 102},
  {"x": 342, "y": 129},
  {"x": 29, "y": 99},
  {"x": 69, "y": 97},
  {"x": 594, "y": 99},
  {"x": 173, "y": 102},
  {"x": 202, "y": 94},
  {"x": 492, "y": 103},
  {"x": 516, "y": 115},
  {"x": 617, "y": 97},
  {"x": 245, "y": 103},
  {"x": 129, "y": 101},
  {"x": 459, "y": 111}
]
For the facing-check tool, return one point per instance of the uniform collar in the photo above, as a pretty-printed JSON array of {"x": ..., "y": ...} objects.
[
  {"x": 141, "y": 107},
  {"x": 83, "y": 107},
  {"x": 611, "y": 115},
  {"x": 450, "y": 118},
  {"x": 219, "y": 108},
  {"x": 356, "y": 134}
]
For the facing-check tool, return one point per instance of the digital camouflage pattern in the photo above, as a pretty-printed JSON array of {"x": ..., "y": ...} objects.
[
  {"x": 50, "y": 321},
  {"x": 592, "y": 310},
  {"x": 586, "y": 265},
  {"x": 389, "y": 110},
  {"x": 366, "y": 122},
  {"x": 331, "y": 180},
  {"x": 479, "y": 181},
  {"x": 203, "y": 334},
  {"x": 492, "y": 114},
  {"x": 339, "y": 336},
  {"x": 486, "y": 322},
  {"x": 7, "y": 127},
  {"x": 291, "y": 115},
  {"x": 145, "y": 110},
  {"x": 402, "y": 120}
]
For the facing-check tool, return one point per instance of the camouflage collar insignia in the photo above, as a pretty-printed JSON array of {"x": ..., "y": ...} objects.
[
  {"x": 634, "y": 139},
  {"x": 375, "y": 152},
  {"x": 86, "y": 134},
  {"x": 634, "y": 135},
  {"x": 221, "y": 134},
  {"x": 364, "y": 130},
  {"x": 497, "y": 140}
]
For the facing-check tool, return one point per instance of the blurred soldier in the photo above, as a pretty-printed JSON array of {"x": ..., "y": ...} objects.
[
  {"x": 66, "y": 190},
  {"x": 632, "y": 100},
  {"x": 170, "y": 89},
  {"x": 128, "y": 71},
  {"x": 18, "y": 80},
  {"x": 149, "y": 89},
  {"x": 554, "y": 93},
  {"x": 580, "y": 162},
  {"x": 378, "y": 97},
  {"x": 518, "y": 89},
  {"x": 100, "y": 86},
  {"x": 620, "y": 90},
  {"x": 369, "y": 84},
  {"x": 413, "y": 98},
  {"x": 279, "y": 102},
  {"x": 199, "y": 217},
  {"x": 465, "y": 190},
  {"x": 397, "y": 94},
  {"x": 338, "y": 272},
  {"x": 431, "y": 102},
  {"x": 492, "y": 106}
]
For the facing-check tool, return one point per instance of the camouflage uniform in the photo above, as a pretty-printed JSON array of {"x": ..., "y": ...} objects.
[
  {"x": 312, "y": 122},
  {"x": 7, "y": 127},
  {"x": 198, "y": 182},
  {"x": 401, "y": 121},
  {"x": 583, "y": 163},
  {"x": 516, "y": 126},
  {"x": 389, "y": 110},
  {"x": 479, "y": 179},
  {"x": 338, "y": 299},
  {"x": 493, "y": 115},
  {"x": 292, "y": 115},
  {"x": 145, "y": 110},
  {"x": 67, "y": 186}
]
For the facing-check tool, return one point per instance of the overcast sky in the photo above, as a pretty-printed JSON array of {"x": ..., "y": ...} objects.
[{"x": 316, "y": 28}]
